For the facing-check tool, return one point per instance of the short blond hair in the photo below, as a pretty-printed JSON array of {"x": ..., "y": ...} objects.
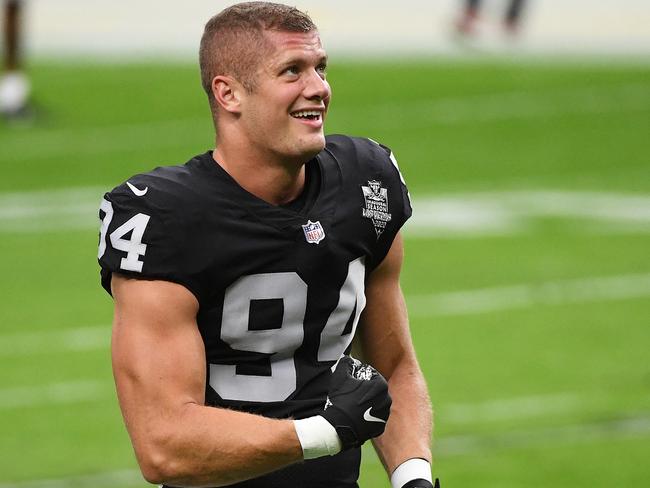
[{"x": 233, "y": 40}]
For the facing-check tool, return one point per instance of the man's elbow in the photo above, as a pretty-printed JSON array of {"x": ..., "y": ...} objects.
[
  {"x": 156, "y": 466},
  {"x": 158, "y": 460},
  {"x": 160, "y": 466}
]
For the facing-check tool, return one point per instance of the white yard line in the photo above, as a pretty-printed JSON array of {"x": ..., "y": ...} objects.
[
  {"x": 50, "y": 210},
  {"x": 71, "y": 392},
  {"x": 510, "y": 408},
  {"x": 499, "y": 298},
  {"x": 55, "y": 341},
  {"x": 512, "y": 212},
  {"x": 461, "y": 215}
]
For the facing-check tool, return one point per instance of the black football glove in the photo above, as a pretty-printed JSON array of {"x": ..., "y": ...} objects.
[
  {"x": 421, "y": 483},
  {"x": 358, "y": 403}
]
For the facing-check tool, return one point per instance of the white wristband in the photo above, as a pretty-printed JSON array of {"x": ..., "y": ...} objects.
[
  {"x": 317, "y": 437},
  {"x": 412, "y": 469}
]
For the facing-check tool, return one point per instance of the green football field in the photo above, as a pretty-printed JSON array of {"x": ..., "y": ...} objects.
[{"x": 527, "y": 270}]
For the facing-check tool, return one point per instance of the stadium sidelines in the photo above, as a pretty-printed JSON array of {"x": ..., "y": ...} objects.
[
  {"x": 460, "y": 445},
  {"x": 457, "y": 215},
  {"x": 482, "y": 108}
]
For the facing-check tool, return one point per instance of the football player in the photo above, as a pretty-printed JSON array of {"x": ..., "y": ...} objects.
[
  {"x": 470, "y": 16},
  {"x": 241, "y": 278},
  {"x": 14, "y": 85}
]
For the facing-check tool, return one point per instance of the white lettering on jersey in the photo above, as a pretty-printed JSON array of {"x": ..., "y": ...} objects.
[{"x": 281, "y": 343}]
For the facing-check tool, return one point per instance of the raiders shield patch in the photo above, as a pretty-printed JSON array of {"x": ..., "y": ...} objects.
[{"x": 376, "y": 205}]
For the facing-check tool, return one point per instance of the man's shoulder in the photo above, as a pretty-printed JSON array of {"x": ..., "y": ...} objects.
[
  {"x": 357, "y": 146},
  {"x": 151, "y": 226},
  {"x": 162, "y": 187},
  {"x": 360, "y": 154}
]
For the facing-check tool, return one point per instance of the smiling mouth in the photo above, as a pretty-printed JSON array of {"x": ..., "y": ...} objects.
[{"x": 307, "y": 115}]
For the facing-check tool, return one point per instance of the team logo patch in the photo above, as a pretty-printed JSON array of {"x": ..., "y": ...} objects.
[
  {"x": 314, "y": 232},
  {"x": 376, "y": 208}
]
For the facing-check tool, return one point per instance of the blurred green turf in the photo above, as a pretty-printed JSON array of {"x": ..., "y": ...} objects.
[{"x": 455, "y": 126}]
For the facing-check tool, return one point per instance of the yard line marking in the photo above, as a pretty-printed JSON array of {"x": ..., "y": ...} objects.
[
  {"x": 54, "y": 394},
  {"x": 499, "y": 298},
  {"x": 510, "y": 408},
  {"x": 627, "y": 428},
  {"x": 55, "y": 341},
  {"x": 461, "y": 215},
  {"x": 50, "y": 210},
  {"x": 512, "y": 212}
]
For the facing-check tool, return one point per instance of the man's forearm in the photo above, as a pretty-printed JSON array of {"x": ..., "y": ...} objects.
[
  {"x": 408, "y": 432},
  {"x": 205, "y": 446},
  {"x": 189, "y": 444}
]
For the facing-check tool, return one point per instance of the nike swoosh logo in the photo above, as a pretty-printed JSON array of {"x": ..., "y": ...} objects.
[
  {"x": 136, "y": 190},
  {"x": 371, "y": 418}
]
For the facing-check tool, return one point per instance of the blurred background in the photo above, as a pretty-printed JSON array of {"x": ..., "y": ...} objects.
[{"x": 524, "y": 139}]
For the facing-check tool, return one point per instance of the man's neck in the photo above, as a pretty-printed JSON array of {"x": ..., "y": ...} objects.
[{"x": 274, "y": 181}]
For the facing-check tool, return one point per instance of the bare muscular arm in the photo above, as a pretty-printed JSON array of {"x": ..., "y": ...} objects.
[
  {"x": 386, "y": 344},
  {"x": 159, "y": 368}
]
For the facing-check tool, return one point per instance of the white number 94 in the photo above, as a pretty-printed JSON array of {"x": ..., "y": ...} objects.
[{"x": 133, "y": 247}]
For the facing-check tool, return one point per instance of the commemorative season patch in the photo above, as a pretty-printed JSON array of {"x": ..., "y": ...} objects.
[
  {"x": 376, "y": 209},
  {"x": 314, "y": 232}
]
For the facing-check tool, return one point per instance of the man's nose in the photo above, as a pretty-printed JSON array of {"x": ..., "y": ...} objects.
[{"x": 317, "y": 87}]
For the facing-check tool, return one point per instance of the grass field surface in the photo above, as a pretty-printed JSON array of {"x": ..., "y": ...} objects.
[{"x": 527, "y": 270}]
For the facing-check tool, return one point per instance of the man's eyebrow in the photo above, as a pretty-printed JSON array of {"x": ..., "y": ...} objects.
[{"x": 299, "y": 60}]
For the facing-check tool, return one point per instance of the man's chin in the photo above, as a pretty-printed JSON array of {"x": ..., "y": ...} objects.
[{"x": 309, "y": 149}]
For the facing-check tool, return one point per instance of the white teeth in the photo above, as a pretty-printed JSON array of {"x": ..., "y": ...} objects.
[{"x": 306, "y": 114}]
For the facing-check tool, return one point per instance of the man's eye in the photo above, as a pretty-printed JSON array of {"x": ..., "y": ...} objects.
[
  {"x": 291, "y": 70},
  {"x": 322, "y": 69}
]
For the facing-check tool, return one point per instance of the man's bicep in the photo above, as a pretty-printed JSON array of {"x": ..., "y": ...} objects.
[
  {"x": 157, "y": 351},
  {"x": 384, "y": 333}
]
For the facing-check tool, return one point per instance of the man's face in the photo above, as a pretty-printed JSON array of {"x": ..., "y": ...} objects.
[{"x": 284, "y": 114}]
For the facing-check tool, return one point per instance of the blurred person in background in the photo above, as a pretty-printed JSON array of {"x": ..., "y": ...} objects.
[
  {"x": 14, "y": 84},
  {"x": 470, "y": 17}
]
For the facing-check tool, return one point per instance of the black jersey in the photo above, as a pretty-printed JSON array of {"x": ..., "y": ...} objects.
[{"x": 280, "y": 288}]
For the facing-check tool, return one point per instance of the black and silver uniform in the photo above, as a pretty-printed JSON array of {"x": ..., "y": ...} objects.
[{"x": 280, "y": 288}]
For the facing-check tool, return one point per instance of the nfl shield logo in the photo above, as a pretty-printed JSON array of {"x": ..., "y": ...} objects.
[{"x": 314, "y": 232}]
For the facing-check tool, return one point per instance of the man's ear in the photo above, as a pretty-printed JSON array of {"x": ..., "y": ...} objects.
[{"x": 227, "y": 92}]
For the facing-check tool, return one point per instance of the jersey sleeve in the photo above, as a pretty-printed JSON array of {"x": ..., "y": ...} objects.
[
  {"x": 144, "y": 236},
  {"x": 406, "y": 209},
  {"x": 385, "y": 169}
]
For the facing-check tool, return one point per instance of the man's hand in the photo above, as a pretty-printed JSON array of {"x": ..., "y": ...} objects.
[{"x": 358, "y": 403}]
